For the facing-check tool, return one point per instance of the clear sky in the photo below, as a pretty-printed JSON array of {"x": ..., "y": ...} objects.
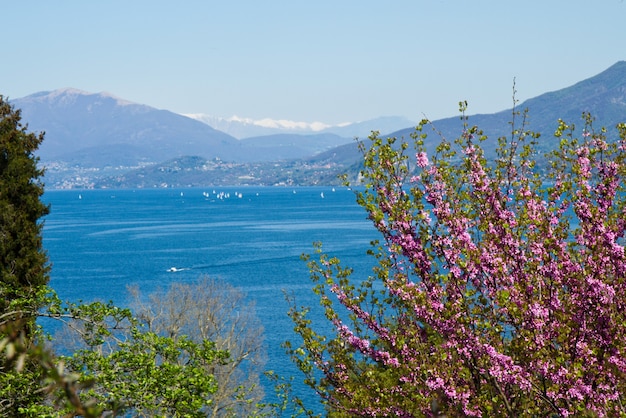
[{"x": 324, "y": 60}]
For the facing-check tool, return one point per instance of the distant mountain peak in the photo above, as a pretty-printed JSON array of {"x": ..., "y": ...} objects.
[
  {"x": 70, "y": 95},
  {"x": 615, "y": 73},
  {"x": 69, "y": 91},
  {"x": 284, "y": 124},
  {"x": 619, "y": 64},
  {"x": 247, "y": 127}
]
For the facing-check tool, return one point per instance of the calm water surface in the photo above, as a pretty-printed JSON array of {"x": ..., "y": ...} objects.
[{"x": 101, "y": 241}]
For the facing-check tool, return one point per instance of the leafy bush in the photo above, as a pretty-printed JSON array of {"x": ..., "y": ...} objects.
[{"x": 500, "y": 286}]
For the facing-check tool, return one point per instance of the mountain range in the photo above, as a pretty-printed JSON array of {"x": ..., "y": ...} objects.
[
  {"x": 245, "y": 127},
  {"x": 99, "y": 140}
]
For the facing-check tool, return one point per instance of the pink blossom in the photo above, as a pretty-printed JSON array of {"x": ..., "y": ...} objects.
[
  {"x": 494, "y": 287},
  {"x": 422, "y": 159}
]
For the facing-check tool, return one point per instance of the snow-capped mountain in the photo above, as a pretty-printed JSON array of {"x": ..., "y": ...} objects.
[{"x": 241, "y": 127}]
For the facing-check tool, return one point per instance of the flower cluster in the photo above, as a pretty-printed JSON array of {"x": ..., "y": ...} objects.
[{"x": 503, "y": 291}]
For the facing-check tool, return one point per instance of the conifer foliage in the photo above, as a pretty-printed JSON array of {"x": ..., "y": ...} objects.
[
  {"x": 500, "y": 286},
  {"x": 23, "y": 263}
]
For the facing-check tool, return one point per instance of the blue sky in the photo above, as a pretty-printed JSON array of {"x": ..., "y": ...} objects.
[{"x": 326, "y": 60}]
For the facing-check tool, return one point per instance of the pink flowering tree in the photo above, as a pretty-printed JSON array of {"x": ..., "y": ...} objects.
[{"x": 499, "y": 287}]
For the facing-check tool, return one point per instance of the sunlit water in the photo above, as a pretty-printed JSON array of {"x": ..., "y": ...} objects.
[{"x": 101, "y": 241}]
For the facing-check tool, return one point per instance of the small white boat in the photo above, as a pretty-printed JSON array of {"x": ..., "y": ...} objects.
[{"x": 175, "y": 269}]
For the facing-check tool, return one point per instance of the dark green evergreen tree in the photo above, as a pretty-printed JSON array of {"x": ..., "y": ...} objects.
[{"x": 23, "y": 263}]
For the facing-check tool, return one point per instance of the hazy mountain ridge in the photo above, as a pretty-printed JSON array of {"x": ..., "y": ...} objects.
[
  {"x": 83, "y": 128},
  {"x": 98, "y": 140},
  {"x": 101, "y": 130},
  {"x": 247, "y": 127},
  {"x": 603, "y": 95},
  {"x": 243, "y": 128},
  {"x": 91, "y": 136},
  {"x": 300, "y": 145}
]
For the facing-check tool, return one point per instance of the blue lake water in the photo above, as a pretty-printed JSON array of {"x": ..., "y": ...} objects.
[{"x": 101, "y": 241}]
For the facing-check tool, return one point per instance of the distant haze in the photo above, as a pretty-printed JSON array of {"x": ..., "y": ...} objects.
[{"x": 240, "y": 127}]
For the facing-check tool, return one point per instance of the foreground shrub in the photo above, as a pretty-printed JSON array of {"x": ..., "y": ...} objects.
[{"x": 500, "y": 286}]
